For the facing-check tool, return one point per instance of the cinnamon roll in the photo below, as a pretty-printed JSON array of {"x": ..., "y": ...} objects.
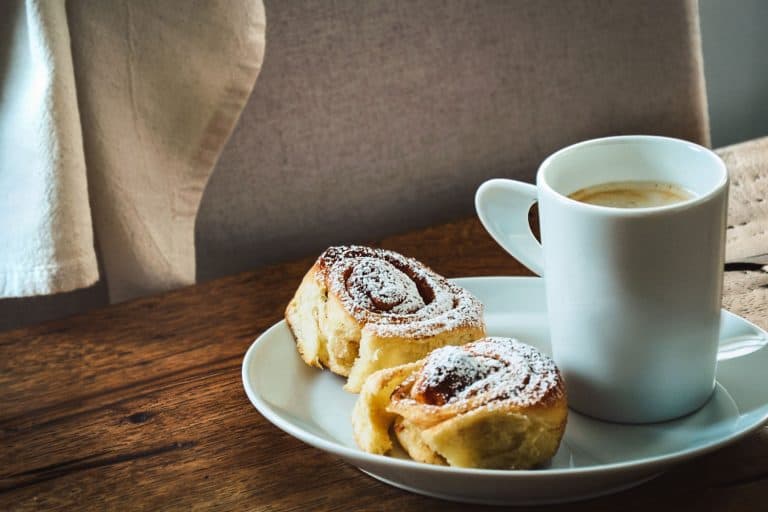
[
  {"x": 360, "y": 309},
  {"x": 493, "y": 403}
]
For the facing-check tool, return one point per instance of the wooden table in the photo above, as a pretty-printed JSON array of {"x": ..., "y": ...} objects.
[{"x": 140, "y": 406}]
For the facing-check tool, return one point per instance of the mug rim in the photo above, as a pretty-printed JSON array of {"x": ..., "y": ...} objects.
[{"x": 722, "y": 183}]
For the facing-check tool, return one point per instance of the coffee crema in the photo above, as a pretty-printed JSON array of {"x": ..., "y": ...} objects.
[{"x": 632, "y": 194}]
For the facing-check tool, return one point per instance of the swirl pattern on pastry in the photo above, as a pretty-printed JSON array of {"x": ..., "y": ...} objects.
[
  {"x": 492, "y": 403},
  {"x": 394, "y": 295},
  {"x": 482, "y": 372},
  {"x": 360, "y": 309}
]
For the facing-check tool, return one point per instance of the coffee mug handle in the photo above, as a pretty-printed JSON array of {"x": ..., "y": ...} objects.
[{"x": 503, "y": 206}]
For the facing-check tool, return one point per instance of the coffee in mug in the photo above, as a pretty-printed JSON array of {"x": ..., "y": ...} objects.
[
  {"x": 632, "y": 194},
  {"x": 633, "y": 292}
]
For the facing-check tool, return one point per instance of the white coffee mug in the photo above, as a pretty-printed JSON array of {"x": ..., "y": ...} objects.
[{"x": 633, "y": 294}]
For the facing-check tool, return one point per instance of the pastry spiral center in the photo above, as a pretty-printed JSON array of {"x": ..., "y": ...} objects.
[
  {"x": 377, "y": 285},
  {"x": 394, "y": 296},
  {"x": 454, "y": 370},
  {"x": 495, "y": 368}
]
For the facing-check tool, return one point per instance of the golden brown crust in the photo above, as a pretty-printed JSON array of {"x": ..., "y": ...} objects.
[
  {"x": 360, "y": 309},
  {"x": 370, "y": 418},
  {"x": 491, "y": 403}
]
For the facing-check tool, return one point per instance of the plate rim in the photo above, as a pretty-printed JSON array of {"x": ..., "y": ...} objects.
[{"x": 336, "y": 448}]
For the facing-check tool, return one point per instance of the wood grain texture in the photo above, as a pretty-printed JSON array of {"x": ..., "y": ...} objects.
[{"x": 139, "y": 406}]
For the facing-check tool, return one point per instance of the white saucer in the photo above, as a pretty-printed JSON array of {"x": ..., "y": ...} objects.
[{"x": 594, "y": 458}]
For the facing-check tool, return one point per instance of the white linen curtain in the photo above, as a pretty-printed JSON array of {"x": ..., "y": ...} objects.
[{"x": 112, "y": 116}]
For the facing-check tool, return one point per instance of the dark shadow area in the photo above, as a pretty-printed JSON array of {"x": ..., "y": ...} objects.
[{"x": 19, "y": 312}]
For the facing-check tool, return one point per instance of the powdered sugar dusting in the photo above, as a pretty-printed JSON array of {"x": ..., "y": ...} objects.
[
  {"x": 396, "y": 296},
  {"x": 376, "y": 285},
  {"x": 491, "y": 368}
]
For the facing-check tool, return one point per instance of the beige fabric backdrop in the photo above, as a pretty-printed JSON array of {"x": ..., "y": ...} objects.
[{"x": 375, "y": 117}]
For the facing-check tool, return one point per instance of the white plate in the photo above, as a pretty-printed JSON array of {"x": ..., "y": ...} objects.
[{"x": 594, "y": 458}]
